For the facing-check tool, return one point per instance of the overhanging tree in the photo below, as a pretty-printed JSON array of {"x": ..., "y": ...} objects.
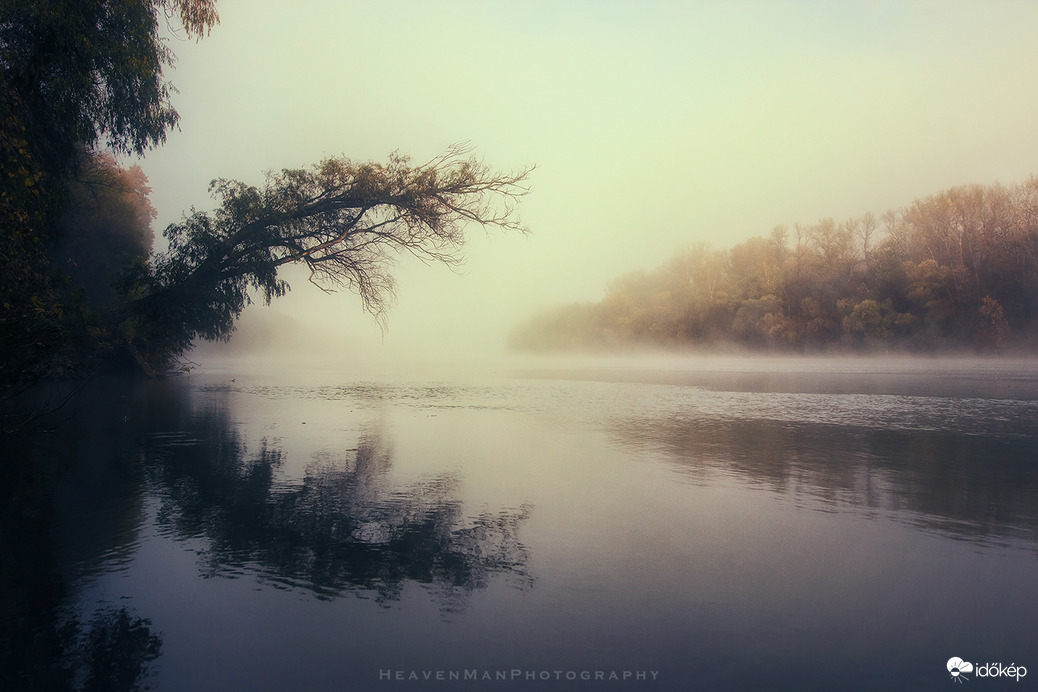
[
  {"x": 344, "y": 221},
  {"x": 80, "y": 74}
]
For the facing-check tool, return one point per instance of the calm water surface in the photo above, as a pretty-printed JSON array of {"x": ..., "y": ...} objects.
[{"x": 622, "y": 525}]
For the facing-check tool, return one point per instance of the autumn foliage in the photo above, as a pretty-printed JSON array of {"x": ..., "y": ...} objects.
[{"x": 958, "y": 270}]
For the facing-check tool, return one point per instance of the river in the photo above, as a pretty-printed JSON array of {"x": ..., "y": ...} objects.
[{"x": 618, "y": 524}]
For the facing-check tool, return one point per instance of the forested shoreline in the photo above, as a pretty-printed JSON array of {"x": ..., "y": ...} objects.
[{"x": 957, "y": 270}]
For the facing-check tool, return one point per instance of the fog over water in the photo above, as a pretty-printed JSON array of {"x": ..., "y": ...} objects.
[
  {"x": 653, "y": 125},
  {"x": 718, "y": 521},
  {"x": 324, "y": 502}
]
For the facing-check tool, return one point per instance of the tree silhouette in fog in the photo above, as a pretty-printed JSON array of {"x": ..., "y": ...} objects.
[{"x": 344, "y": 221}]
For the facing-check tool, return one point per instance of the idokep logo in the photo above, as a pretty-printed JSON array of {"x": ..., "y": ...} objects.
[{"x": 957, "y": 668}]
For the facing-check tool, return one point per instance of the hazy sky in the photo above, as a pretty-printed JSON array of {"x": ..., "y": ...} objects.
[{"x": 653, "y": 125}]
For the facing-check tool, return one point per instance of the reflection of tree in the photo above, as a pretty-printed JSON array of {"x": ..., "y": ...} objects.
[
  {"x": 40, "y": 649},
  {"x": 964, "y": 484},
  {"x": 346, "y": 527},
  {"x": 69, "y": 507},
  {"x": 114, "y": 654},
  {"x": 70, "y": 510},
  {"x": 30, "y": 590}
]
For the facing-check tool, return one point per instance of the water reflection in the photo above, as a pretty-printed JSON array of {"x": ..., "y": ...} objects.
[
  {"x": 30, "y": 589},
  {"x": 47, "y": 533},
  {"x": 965, "y": 484},
  {"x": 206, "y": 506},
  {"x": 114, "y": 653},
  {"x": 346, "y": 527},
  {"x": 131, "y": 463}
]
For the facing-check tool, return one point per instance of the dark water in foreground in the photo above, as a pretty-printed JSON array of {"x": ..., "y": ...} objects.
[{"x": 739, "y": 525}]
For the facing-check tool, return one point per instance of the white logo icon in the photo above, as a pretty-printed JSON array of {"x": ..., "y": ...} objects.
[{"x": 956, "y": 666}]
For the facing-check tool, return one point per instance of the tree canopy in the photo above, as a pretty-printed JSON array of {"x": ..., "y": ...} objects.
[
  {"x": 76, "y": 76},
  {"x": 955, "y": 270},
  {"x": 89, "y": 73}
]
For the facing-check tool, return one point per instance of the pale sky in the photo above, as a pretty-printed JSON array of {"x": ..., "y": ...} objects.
[{"x": 653, "y": 125}]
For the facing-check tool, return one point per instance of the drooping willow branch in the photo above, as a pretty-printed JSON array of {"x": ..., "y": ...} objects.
[{"x": 345, "y": 221}]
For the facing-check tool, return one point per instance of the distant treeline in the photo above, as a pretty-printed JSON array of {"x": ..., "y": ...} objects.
[{"x": 955, "y": 270}]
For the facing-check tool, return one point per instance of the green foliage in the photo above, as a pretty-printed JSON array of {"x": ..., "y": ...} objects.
[
  {"x": 30, "y": 308},
  {"x": 90, "y": 73},
  {"x": 75, "y": 75},
  {"x": 955, "y": 270}
]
